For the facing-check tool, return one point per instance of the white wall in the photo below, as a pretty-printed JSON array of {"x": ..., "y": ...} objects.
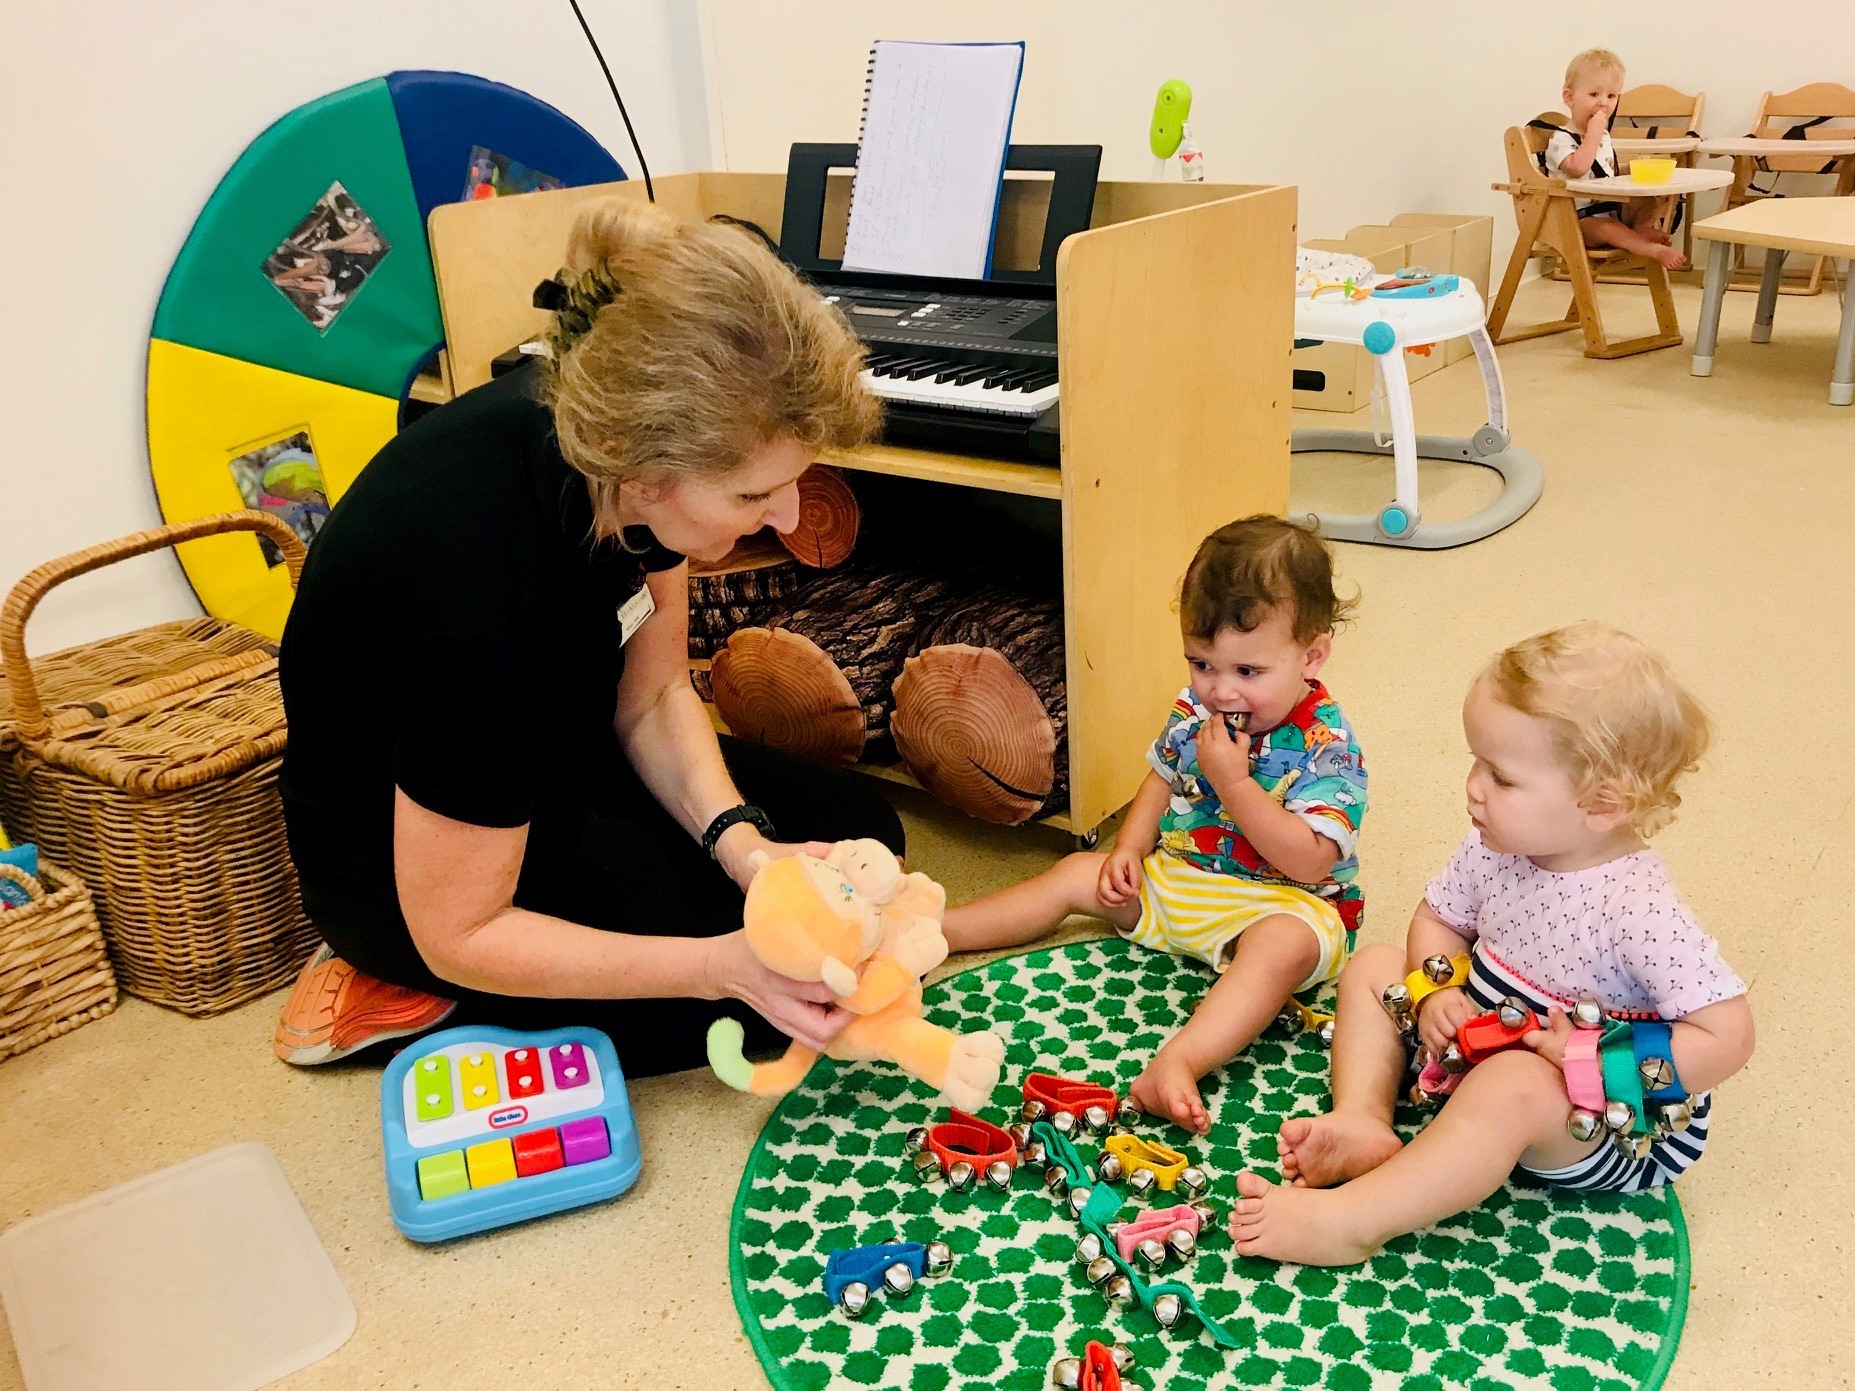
[
  {"x": 123, "y": 115},
  {"x": 1371, "y": 109}
]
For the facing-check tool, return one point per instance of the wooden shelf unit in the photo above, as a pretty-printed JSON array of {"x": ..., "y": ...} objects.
[{"x": 1175, "y": 323}]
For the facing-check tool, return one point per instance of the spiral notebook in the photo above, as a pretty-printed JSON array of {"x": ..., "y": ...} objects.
[{"x": 931, "y": 157}]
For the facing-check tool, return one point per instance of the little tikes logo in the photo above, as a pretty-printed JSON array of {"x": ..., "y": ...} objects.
[{"x": 508, "y": 1116}]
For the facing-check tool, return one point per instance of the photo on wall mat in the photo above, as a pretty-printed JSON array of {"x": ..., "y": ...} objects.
[
  {"x": 284, "y": 479},
  {"x": 322, "y": 265},
  {"x": 497, "y": 176}
]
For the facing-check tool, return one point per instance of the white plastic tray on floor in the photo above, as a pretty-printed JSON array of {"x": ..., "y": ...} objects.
[{"x": 203, "y": 1277}]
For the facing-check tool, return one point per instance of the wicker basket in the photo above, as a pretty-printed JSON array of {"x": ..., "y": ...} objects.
[
  {"x": 54, "y": 973},
  {"x": 163, "y": 796}
]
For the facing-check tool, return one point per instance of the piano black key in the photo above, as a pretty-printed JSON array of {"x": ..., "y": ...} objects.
[
  {"x": 996, "y": 376},
  {"x": 967, "y": 375},
  {"x": 1047, "y": 377},
  {"x": 1017, "y": 379},
  {"x": 915, "y": 374}
]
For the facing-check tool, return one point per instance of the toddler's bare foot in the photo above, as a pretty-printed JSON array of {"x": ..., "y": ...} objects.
[
  {"x": 1169, "y": 1088},
  {"x": 1320, "y": 1151},
  {"x": 1305, "y": 1225},
  {"x": 1669, "y": 257}
]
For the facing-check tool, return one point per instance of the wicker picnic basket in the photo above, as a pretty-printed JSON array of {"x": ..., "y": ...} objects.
[
  {"x": 54, "y": 973},
  {"x": 162, "y": 794}
]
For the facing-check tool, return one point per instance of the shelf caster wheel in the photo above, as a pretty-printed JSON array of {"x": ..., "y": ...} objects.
[
  {"x": 1488, "y": 441},
  {"x": 1395, "y": 522},
  {"x": 1089, "y": 840}
]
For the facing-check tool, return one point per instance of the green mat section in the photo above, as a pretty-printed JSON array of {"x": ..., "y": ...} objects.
[{"x": 1531, "y": 1290}]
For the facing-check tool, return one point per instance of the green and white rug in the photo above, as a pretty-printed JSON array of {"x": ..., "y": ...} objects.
[{"x": 1532, "y": 1291}]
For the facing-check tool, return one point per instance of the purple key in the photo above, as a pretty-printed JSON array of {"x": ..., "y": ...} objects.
[
  {"x": 567, "y": 1061},
  {"x": 584, "y": 1140}
]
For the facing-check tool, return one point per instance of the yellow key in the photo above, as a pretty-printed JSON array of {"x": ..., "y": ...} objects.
[
  {"x": 491, "y": 1162},
  {"x": 477, "y": 1072}
]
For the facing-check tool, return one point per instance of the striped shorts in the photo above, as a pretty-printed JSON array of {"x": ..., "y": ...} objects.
[
  {"x": 1606, "y": 1168},
  {"x": 1199, "y": 913}
]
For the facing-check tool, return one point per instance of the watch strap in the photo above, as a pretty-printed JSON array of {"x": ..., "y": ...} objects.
[{"x": 733, "y": 816}]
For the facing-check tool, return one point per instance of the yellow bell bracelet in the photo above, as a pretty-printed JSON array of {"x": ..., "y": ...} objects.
[{"x": 1438, "y": 973}]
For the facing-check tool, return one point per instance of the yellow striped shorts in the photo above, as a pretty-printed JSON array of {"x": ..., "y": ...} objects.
[{"x": 1198, "y": 913}]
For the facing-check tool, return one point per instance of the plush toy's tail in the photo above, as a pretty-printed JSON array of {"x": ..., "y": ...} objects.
[{"x": 762, "y": 1079}]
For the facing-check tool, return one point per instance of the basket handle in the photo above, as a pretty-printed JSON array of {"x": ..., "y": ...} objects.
[
  {"x": 29, "y": 717},
  {"x": 34, "y": 890}
]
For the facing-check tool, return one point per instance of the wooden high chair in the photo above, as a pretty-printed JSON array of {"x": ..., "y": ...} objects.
[
  {"x": 1810, "y": 113},
  {"x": 1547, "y": 214},
  {"x": 1655, "y": 112}
]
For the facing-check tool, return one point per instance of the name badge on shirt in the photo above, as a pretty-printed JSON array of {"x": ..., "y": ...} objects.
[{"x": 633, "y": 612}]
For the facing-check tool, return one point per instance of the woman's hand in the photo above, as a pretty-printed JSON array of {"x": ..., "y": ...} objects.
[
  {"x": 738, "y": 844},
  {"x": 801, "y": 1010},
  {"x": 1119, "y": 883},
  {"x": 1550, "y": 1041},
  {"x": 1440, "y": 1014}
]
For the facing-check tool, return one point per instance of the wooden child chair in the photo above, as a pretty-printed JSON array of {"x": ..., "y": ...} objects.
[
  {"x": 1655, "y": 112},
  {"x": 1547, "y": 214},
  {"x": 1809, "y": 113}
]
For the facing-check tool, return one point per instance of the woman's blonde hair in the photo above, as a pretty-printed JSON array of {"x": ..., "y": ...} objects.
[
  {"x": 1619, "y": 718},
  {"x": 710, "y": 348}
]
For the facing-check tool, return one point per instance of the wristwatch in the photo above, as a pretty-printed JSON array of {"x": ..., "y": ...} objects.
[{"x": 731, "y": 817}]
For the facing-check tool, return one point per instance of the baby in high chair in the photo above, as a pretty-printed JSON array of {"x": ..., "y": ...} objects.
[
  {"x": 1238, "y": 849},
  {"x": 1554, "y": 904},
  {"x": 1593, "y": 85}
]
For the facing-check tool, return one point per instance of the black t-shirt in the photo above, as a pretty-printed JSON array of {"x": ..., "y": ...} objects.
[{"x": 456, "y": 634}]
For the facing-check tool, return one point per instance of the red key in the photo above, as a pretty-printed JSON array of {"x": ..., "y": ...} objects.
[
  {"x": 537, "y": 1151},
  {"x": 524, "y": 1068}
]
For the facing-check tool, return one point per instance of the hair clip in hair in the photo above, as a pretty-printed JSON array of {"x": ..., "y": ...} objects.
[{"x": 576, "y": 303}]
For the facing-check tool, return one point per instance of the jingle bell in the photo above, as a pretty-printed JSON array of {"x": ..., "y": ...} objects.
[
  {"x": 1677, "y": 1115},
  {"x": 853, "y": 1299},
  {"x": 1032, "y": 1111},
  {"x": 1142, "y": 1181},
  {"x": 1020, "y": 1134},
  {"x": 1584, "y": 1125},
  {"x": 1123, "y": 1356},
  {"x": 1064, "y": 1123},
  {"x": 898, "y": 1279},
  {"x": 1033, "y": 1153},
  {"x": 1452, "y": 1060},
  {"x": 1120, "y": 1291},
  {"x": 1067, "y": 1373},
  {"x": 1637, "y": 1147},
  {"x": 1078, "y": 1199},
  {"x": 938, "y": 1259},
  {"x": 1325, "y": 1033},
  {"x": 1101, "y": 1270},
  {"x": 1127, "y": 1113},
  {"x": 1656, "y": 1073},
  {"x": 927, "y": 1167},
  {"x": 1167, "y": 1308},
  {"x": 1182, "y": 1243},
  {"x": 916, "y": 1140},
  {"x": 1056, "y": 1179},
  {"x": 1207, "y": 1215},
  {"x": 1089, "y": 1248},
  {"x": 1108, "y": 1167},
  {"x": 1096, "y": 1119},
  {"x": 1512, "y": 1014},
  {"x": 1290, "y": 1019},
  {"x": 961, "y": 1176},
  {"x": 998, "y": 1174},
  {"x": 1588, "y": 1014},
  {"x": 1438, "y": 969},
  {"x": 1193, "y": 1181},
  {"x": 1152, "y": 1253},
  {"x": 1619, "y": 1116}
]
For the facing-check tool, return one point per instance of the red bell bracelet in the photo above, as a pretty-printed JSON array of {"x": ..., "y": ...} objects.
[{"x": 976, "y": 1142}]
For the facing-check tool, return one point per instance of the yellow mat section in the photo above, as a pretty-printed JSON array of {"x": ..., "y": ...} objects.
[{"x": 211, "y": 418}]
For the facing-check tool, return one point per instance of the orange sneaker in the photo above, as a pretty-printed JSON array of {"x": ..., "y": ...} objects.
[{"x": 335, "y": 1010}]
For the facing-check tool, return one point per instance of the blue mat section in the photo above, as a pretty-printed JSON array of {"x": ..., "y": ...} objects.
[{"x": 444, "y": 115}]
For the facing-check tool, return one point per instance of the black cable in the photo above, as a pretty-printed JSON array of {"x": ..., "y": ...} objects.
[{"x": 649, "y": 191}]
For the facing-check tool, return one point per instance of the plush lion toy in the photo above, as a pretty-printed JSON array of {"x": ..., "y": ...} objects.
[{"x": 854, "y": 921}]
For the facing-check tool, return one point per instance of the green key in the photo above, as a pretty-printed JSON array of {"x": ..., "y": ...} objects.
[
  {"x": 431, "y": 1087},
  {"x": 441, "y": 1175}
]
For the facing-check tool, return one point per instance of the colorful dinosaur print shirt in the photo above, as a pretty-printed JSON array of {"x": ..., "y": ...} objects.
[{"x": 1310, "y": 763}]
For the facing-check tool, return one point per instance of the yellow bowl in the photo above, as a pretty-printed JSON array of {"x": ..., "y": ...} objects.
[{"x": 1652, "y": 169}]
